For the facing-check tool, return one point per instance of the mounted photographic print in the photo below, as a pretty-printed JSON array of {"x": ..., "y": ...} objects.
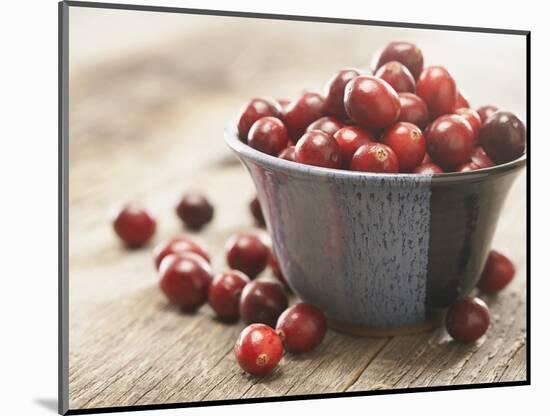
[{"x": 265, "y": 207}]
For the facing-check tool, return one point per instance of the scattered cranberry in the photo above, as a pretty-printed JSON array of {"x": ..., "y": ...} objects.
[
  {"x": 450, "y": 141},
  {"x": 502, "y": 136},
  {"x": 289, "y": 154},
  {"x": 397, "y": 75},
  {"x": 258, "y": 349},
  {"x": 467, "y": 167},
  {"x": 276, "y": 269},
  {"x": 461, "y": 101},
  {"x": 480, "y": 158},
  {"x": 247, "y": 252},
  {"x": 184, "y": 279},
  {"x": 134, "y": 225},
  {"x": 404, "y": 52},
  {"x": 413, "y": 110},
  {"x": 497, "y": 273},
  {"x": 302, "y": 327},
  {"x": 179, "y": 245},
  {"x": 472, "y": 117},
  {"x": 468, "y": 319},
  {"x": 254, "y": 110},
  {"x": 438, "y": 90},
  {"x": 485, "y": 112},
  {"x": 302, "y": 112},
  {"x": 195, "y": 210},
  {"x": 408, "y": 143},
  {"x": 256, "y": 210},
  {"x": 375, "y": 157},
  {"x": 268, "y": 135},
  {"x": 318, "y": 149},
  {"x": 225, "y": 292},
  {"x": 328, "y": 125},
  {"x": 371, "y": 102},
  {"x": 334, "y": 92},
  {"x": 428, "y": 168},
  {"x": 349, "y": 139},
  {"x": 262, "y": 302}
]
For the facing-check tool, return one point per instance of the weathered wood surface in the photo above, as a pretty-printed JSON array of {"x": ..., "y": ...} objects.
[{"x": 148, "y": 126}]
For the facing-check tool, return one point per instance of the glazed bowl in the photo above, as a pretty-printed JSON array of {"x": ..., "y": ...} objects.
[{"x": 380, "y": 254}]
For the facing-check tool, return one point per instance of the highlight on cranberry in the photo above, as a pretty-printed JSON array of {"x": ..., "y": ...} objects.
[
  {"x": 134, "y": 225},
  {"x": 258, "y": 349},
  {"x": 195, "y": 210}
]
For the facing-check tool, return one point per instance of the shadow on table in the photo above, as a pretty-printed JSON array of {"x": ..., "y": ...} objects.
[{"x": 50, "y": 404}]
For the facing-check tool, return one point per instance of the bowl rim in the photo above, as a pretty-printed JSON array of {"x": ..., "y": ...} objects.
[{"x": 287, "y": 166}]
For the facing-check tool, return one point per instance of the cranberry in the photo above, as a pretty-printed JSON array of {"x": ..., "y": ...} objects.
[
  {"x": 427, "y": 158},
  {"x": 375, "y": 157},
  {"x": 404, "y": 52},
  {"x": 289, "y": 154},
  {"x": 283, "y": 102},
  {"x": 397, "y": 75},
  {"x": 179, "y": 245},
  {"x": 468, "y": 319},
  {"x": 438, "y": 90},
  {"x": 428, "y": 168},
  {"x": 258, "y": 349},
  {"x": 225, "y": 292},
  {"x": 262, "y": 302},
  {"x": 134, "y": 225},
  {"x": 302, "y": 327},
  {"x": 318, "y": 149},
  {"x": 254, "y": 110},
  {"x": 408, "y": 143},
  {"x": 248, "y": 253},
  {"x": 461, "y": 101},
  {"x": 371, "y": 102},
  {"x": 349, "y": 139},
  {"x": 497, "y": 273},
  {"x": 195, "y": 210},
  {"x": 413, "y": 110},
  {"x": 302, "y": 112},
  {"x": 450, "y": 141},
  {"x": 276, "y": 269},
  {"x": 256, "y": 210},
  {"x": 184, "y": 279},
  {"x": 334, "y": 92},
  {"x": 503, "y": 137},
  {"x": 328, "y": 125},
  {"x": 480, "y": 158},
  {"x": 472, "y": 117},
  {"x": 485, "y": 112},
  {"x": 268, "y": 135},
  {"x": 467, "y": 167}
]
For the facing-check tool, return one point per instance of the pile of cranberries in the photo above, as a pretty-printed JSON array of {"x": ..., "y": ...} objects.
[{"x": 405, "y": 118}]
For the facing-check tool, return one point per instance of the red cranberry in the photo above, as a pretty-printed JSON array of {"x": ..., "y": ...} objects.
[
  {"x": 503, "y": 137},
  {"x": 438, "y": 90},
  {"x": 485, "y": 112},
  {"x": 375, "y": 157},
  {"x": 262, "y": 302},
  {"x": 472, "y": 118},
  {"x": 195, "y": 210},
  {"x": 461, "y": 101},
  {"x": 404, "y": 52},
  {"x": 302, "y": 112},
  {"x": 328, "y": 125},
  {"x": 467, "y": 167},
  {"x": 179, "y": 245},
  {"x": 480, "y": 158},
  {"x": 184, "y": 279},
  {"x": 497, "y": 273},
  {"x": 397, "y": 75},
  {"x": 318, "y": 149},
  {"x": 408, "y": 143},
  {"x": 276, "y": 269},
  {"x": 256, "y": 210},
  {"x": 426, "y": 158},
  {"x": 334, "y": 92},
  {"x": 428, "y": 168},
  {"x": 258, "y": 349},
  {"x": 254, "y": 110},
  {"x": 248, "y": 253},
  {"x": 349, "y": 139},
  {"x": 450, "y": 141},
  {"x": 468, "y": 319},
  {"x": 134, "y": 225},
  {"x": 413, "y": 110},
  {"x": 302, "y": 327},
  {"x": 268, "y": 135},
  {"x": 371, "y": 102},
  {"x": 289, "y": 154},
  {"x": 225, "y": 292}
]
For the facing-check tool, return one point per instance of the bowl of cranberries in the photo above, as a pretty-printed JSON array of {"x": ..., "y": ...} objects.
[{"x": 382, "y": 191}]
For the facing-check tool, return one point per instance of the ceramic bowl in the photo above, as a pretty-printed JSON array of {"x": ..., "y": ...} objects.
[{"x": 379, "y": 253}]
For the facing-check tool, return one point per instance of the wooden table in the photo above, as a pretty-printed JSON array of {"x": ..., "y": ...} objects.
[{"x": 147, "y": 126}]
